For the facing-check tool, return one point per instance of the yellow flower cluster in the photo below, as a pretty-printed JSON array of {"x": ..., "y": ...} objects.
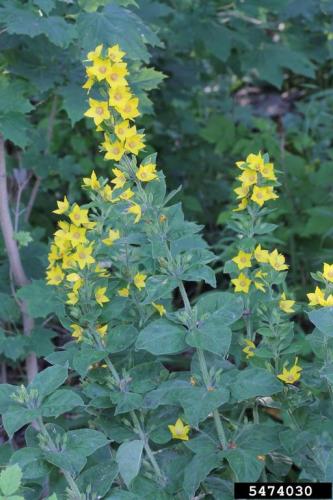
[
  {"x": 114, "y": 115},
  {"x": 323, "y": 297},
  {"x": 264, "y": 261},
  {"x": 73, "y": 256},
  {"x": 257, "y": 181}
]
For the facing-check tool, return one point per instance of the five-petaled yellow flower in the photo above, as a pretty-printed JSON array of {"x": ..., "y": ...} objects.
[
  {"x": 100, "y": 296},
  {"x": 113, "y": 236},
  {"x": 139, "y": 280},
  {"x": 242, "y": 259},
  {"x": 98, "y": 111},
  {"x": 277, "y": 261},
  {"x": 147, "y": 172},
  {"x": 159, "y": 308},
  {"x": 328, "y": 272},
  {"x": 77, "y": 332},
  {"x": 285, "y": 304},
  {"x": 290, "y": 376},
  {"x": 179, "y": 430},
  {"x": 63, "y": 206},
  {"x": 242, "y": 283}
]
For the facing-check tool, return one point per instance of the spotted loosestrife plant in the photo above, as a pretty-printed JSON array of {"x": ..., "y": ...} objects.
[{"x": 147, "y": 400}]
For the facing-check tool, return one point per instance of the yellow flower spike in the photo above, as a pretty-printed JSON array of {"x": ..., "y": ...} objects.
[
  {"x": 119, "y": 95},
  {"x": 63, "y": 206},
  {"x": 113, "y": 236},
  {"x": 248, "y": 177},
  {"x": 83, "y": 256},
  {"x": 100, "y": 68},
  {"x": 286, "y": 305},
  {"x": 277, "y": 261},
  {"x": 159, "y": 308},
  {"x": 91, "y": 182},
  {"x": 261, "y": 255},
  {"x": 95, "y": 54},
  {"x": 242, "y": 259},
  {"x": 77, "y": 332},
  {"x": 98, "y": 110},
  {"x": 55, "y": 276},
  {"x": 135, "y": 209},
  {"x": 116, "y": 74},
  {"x": 328, "y": 272},
  {"x": 179, "y": 430},
  {"x": 290, "y": 376},
  {"x": 241, "y": 283},
  {"x": 147, "y": 172},
  {"x": 129, "y": 110},
  {"x": 102, "y": 330},
  {"x": 124, "y": 292},
  {"x": 139, "y": 280},
  {"x": 115, "y": 53},
  {"x": 134, "y": 143},
  {"x": 100, "y": 296},
  {"x": 78, "y": 215},
  {"x": 114, "y": 150}
]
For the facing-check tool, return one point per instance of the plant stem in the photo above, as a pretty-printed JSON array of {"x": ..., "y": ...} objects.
[{"x": 204, "y": 370}]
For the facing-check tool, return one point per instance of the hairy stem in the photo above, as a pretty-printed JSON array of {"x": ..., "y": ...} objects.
[{"x": 14, "y": 257}]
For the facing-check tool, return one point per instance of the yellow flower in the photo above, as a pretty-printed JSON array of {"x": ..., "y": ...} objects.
[
  {"x": 285, "y": 304},
  {"x": 261, "y": 255},
  {"x": 136, "y": 210},
  {"x": 114, "y": 150},
  {"x": 126, "y": 195},
  {"x": 139, "y": 280},
  {"x": 179, "y": 430},
  {"x": 147, "y": 172},
  {"x": 54, "y": 254},
  {"x": 116, "y": 74},
  {"x": 78, "y": 215},
  {"x": 77, "y": 332},
  {"x": 248, "y": 177},
  {"x": 83, "y": 256},
  {"x": 92, "y": 182},
  {"x": 242, "y": 283},
  {"x": 259, "y": 286},
  {"x": 113, "y": 236},
  {"x": 101, "y": 271},
  {"x": 69, "y": 262},
  {"x": 100, "y": 68},
  {"x": 262, "y": 194},
  {"x": 134, "y": 143},
  {"x": 242, "y": 191},
  {"x": 119, "y": 179},
  {"x": 241, "y": 206},
  {"x": 95, "y": 54},
  {"x": 100, "y": 296},
  {"x": 72, "y": 298},
  {"x": 55, "y": 275},
  {"x": 123, "y": 130},
  {"x": 267, "y": 171},
  {"x": 317, "y": 298},
  {"x": 129, "y": 109},
  {"x": 255, "y": 161},
  {"x": 73, "y": 277},
  {"x": 291, "y": 376},
  {"x": 119, "y": 95},
  {"x": 249, "y": 349},
  {"x": 63, "y": 206},
  {"x": 123, "y": 292},
  {"x": 328, "y": 272},
  {"x": 77, "y": 235},
  {"x": 277, "y": 261},
  {"x": 115, "y": 53},
  {"x": 159, "y": 308},
  {"x": 98, "y": 110},
  {"x": 242, "y": 259},
  {"x": 102, "y": 330}
]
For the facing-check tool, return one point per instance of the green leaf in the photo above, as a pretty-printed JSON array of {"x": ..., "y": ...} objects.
[
  {"x": 246, "y": 466},
  {"x": 8, "y": 308},
  {"x": 126, "y": 401},
  {"x": 129, "y": 457},
  {"x": 10, "y": 479},
  {"x": 211, "y": 336},
  {"x": 159, "y": 287},
  {"x": 41, "y": 299},
  {"x": 14, "y": 127},
  {"x": 223, "y": 307},
  {"x": 45, "y": 5},
  {"x": 85, "y": 357},
  {"x": 217, "y": 41},
  {"x": 200, "y": 273},
  {"x": 120, "y": 338},
  {"x": 323, "y": 320},
  {"x": 147, "y": 79},
  {"x": 197, "y": 470},
  {"x": 253, "y": 382},
  {"x": 48, "y": 380},
  {"x": 15, "y": 418},
  {"x": 61, "y": 401},
  {"x": 162, "y": 337},
  {"x": 74, "y": 101},
  {"x": 40, "y": 341},
  {"x": 113, "y": 25},
  {"x": 30, "y": 460},
  {"x": 99, "y": 477}
]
